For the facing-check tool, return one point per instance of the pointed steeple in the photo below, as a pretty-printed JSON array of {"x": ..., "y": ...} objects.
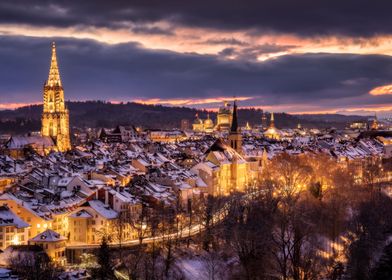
[
  {"x": 272, "y": 122},
  {"x": 54, "y": 74},
  {"x": 235, "y": 137},
  {"x": 234, "y": 123},
  {"x": 55, "y": 116}
]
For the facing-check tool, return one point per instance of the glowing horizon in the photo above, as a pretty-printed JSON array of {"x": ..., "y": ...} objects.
[
  {"x": 289, "y": 109},
  {"x": 183, "y": 56}
]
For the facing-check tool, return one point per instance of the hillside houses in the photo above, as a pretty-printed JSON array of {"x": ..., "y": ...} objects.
[{"x": 83, "y": 194}]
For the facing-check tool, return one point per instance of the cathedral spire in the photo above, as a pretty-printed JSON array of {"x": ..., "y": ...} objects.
[
  {"x": 234, "y": 123},
  {"x": 54, "y": 74},
  {"x": 55, "y": 116}
]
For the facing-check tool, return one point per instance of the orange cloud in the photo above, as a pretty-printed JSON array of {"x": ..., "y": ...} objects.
[
  {"x": 181, "y": 40},
  {"x": 189, "y": 101},
  {"x": 382, "y": 90}
]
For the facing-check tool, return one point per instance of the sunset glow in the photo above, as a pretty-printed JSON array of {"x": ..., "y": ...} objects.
[
  {"x": 190, "y": 101},
  {"x": 12, "y": 106},
  {"x": 175, "y": 57},
  {"x": 209, "y": 41},
  {"x": 382, "y": 90}
]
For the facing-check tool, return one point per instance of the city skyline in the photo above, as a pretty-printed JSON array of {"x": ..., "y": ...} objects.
[
  {"x": 278, "y": 57},
  {"x": 195, "y": 140}
]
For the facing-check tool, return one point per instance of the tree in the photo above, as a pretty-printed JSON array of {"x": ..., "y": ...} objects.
[
  {"x": 247, "y": 232},
  {"x": 316, "y": 189},
  {"x": 383, "y": 269},
  {"x": 213, "y": 266},
  {"x": 139, "y": 223},
  {"x": 104, "y": 270},
  {"x": 208, "y": 222},
  {"x": 289, "y": 174},
  {"x": 33, "y": 266},
  {"x": 121, "y": 225},
  {"x": 372, "y": 227},
  {"x": 371, "y": 173}
]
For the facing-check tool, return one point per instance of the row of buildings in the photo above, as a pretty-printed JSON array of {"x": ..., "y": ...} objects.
[
  {"x": 80, "y": 195},
  {"x": 224, "y": 121},
  {"x": 60, "y": 197}
]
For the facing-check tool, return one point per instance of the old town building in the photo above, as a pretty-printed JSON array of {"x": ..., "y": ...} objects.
[{"x": 55, "y": 116}]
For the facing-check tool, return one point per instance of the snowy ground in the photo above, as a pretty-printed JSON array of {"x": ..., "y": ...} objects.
[{"x": 193, "y": 269}]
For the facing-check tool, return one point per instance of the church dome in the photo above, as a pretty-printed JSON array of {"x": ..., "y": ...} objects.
[{"x": 208, "y": 123}]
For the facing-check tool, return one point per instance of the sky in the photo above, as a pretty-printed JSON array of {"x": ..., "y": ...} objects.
[{"x": 302, "y": 56}]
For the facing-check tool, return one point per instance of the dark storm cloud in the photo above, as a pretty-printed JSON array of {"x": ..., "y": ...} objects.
[
  {"x": 302, "y": 17},
  {"x": 252, "y": 53},
  {"x": 226, "y": 41},
  {"x": 152, "y": 30},
  {"x": 124, "y": 72}
]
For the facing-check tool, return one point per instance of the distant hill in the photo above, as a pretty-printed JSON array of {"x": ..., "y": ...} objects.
[
  {"x": 331, "y": 118},
  {"x": 103, "y": 114}
]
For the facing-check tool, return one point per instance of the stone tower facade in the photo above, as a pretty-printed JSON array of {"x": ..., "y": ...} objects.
[{"x": 55, "y": 116}]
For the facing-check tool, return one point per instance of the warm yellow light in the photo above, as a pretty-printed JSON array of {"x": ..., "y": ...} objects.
[{"x": 15, "y": 240}]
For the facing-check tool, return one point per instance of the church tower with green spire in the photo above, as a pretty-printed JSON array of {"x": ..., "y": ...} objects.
[{"x": 55, "y": 116}]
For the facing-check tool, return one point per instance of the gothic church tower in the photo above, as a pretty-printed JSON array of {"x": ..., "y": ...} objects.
[{"x": 55, "y": 116}]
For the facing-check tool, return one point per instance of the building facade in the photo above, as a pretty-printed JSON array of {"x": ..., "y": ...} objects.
[
  {"x": 55, "y": 116},
  {"x": 224, "y": 117},
  {"x": 224, "y": 169}
]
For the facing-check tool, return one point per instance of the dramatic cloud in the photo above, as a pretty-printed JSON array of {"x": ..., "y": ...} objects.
[
  {"x": 295, "y": 56},
  {"x": 226, "y": 41},
  {"x": 191, "y": 101},
  {"x": 152, "y": 30},
  {"x": 126, "y": 72},
  {"x": 258, "y": 52},
  {"x": 257, "y": 30},
  {"x": 381, "y": 90},
  {"x": 303, "y": 17}
]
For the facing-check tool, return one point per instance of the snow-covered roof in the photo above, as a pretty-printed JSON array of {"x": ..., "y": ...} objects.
[
  {"x": 81, "y": 214},
  {"x": 18, "y": 142},
  {"x": 48, "y": 236},
  {"x": 8, "y": 218},
  {"x": 102, "y": 209}
]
